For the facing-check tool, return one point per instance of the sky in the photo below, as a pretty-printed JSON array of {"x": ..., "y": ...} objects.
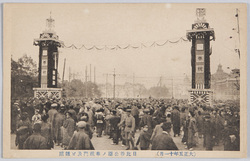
[{"x": 123, "y": 24}]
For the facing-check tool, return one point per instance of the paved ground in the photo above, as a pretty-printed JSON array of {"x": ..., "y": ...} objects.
[{"x": 103, "y": 143}]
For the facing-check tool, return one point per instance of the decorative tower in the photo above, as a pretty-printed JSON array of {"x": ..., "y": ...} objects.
[
  {"x": 48, "y": 62},
  {"x": 200, "y": 36}
]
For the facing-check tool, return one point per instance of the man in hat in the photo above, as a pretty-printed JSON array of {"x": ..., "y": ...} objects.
[
  {"x": 99, "y": 122},
  {"x": 164, "y": 141},
  {"x": 135, "y": 114},
  {"x": 73, "y": 112},
  {"x": 52, "y": 112},
  {"x": 80, "y": 140},
  {"x": 147, "y": 120},
  {"x": 43, "y": 106},
  {"x": 36, "y": 140},
  {"x": 90, "y": 115},
  {"x": 58, "y": 123},
  {"x": 123, "y": 116},
  {"x": 129, "y": 129}
]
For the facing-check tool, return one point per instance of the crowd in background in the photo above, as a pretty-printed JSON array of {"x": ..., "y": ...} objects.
[{"x": 70, "y": 123}]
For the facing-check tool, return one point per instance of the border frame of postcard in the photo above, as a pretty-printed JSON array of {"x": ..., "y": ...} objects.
[{"x": 10, "y": 153}]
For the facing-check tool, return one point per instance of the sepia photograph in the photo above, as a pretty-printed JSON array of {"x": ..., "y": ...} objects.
[{"x": 124, "y": 80}]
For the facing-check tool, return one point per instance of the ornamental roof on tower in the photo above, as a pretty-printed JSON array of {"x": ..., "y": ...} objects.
[
  {"x": 49, "y": 35},
  {"x": 200, "y": 27}
]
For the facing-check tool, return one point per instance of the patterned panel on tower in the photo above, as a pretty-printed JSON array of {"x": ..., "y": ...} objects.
[{"x": 199, "y": 59}]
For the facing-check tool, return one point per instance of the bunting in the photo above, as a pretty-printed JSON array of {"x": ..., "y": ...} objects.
[{"x": 129, "y": 46}]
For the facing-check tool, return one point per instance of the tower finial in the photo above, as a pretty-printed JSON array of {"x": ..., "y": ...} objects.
[
  {"x": 200, "y": 13},
  {"x": 50, "y": 23}
]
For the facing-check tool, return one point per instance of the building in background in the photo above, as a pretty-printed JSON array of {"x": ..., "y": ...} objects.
[{"x": 226, "y": 86}]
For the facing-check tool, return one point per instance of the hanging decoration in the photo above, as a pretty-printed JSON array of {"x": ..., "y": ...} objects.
[{"x": 129, "y": 46}]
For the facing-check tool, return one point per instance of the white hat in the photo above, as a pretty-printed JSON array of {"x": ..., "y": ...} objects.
[
  {"x": 53, "y": 105},
  {"x": 81, "y": 124}
]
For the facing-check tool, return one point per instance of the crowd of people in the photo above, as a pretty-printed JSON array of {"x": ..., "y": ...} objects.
[{"x": 43, "y": 123}]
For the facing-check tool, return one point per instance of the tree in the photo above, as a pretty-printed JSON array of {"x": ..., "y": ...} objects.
[
  {"x": 76, "y": 88},
  {"x": 23, "y": 77}
]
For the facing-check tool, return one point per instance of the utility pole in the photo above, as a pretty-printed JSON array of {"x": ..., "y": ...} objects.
[
  {"x": 106, "y": 85},
  {"x": 90, "y": 72},
  {"x": 86, "y": 74},
  {"x": 63, "y": 69},
  {"x": 114, "y": 75},
  {"x": 69, "y": 74},
  {"x": 160, "y": 81},
  {"x": 86, "y": 80},
  {"x": 238, "y": 29},
  {"x": 238, "y": 24},
  {"x": 172, "y": 88},
  {"x": 94, "y": 74},
  {"x": 134, "y": 85},
  {"x": 114, "y": 85}
]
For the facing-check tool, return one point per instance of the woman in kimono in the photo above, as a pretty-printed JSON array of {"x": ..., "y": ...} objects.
[{"x": 192, "y": 131}]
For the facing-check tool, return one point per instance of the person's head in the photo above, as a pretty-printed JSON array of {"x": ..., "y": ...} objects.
[
  {"x": 166, "y": 126},
  {"x": 16, "y": 104},
  {"x": 24, "y": 116},
  {"x": 106, "y": 105},
  {"x": 145, "y": 128},
  {"x": 45, "y": 117},
  {"x": 204, "y": 108},
  {"x": 191, "y": 114},
  {"x": 146, "y": 110},
  {"x": 128, "y": 111},
  {"x": 68, "y": 115},
  {"x": 168, "y": 114},
  {"x": 62, "y": 109},
  {"x": 71, "y": 107},
  {"x": 37, "y": 127},
  {"x": 222, "y": 113},
  {"x": 113, "y": 112},
  {"x": 53, "y": 105},
  {"x": 207, "y": 117},
  {"x": 83, "y": 118},
  {"x": 81, "y": 124},
  {"x": 163, "y": 119},
  {"x": 36, "y": 111},
  {"x": 183, "y": 109}
]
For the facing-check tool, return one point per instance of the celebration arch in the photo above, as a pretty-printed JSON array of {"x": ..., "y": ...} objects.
[{"x": 200, "y": 36}]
